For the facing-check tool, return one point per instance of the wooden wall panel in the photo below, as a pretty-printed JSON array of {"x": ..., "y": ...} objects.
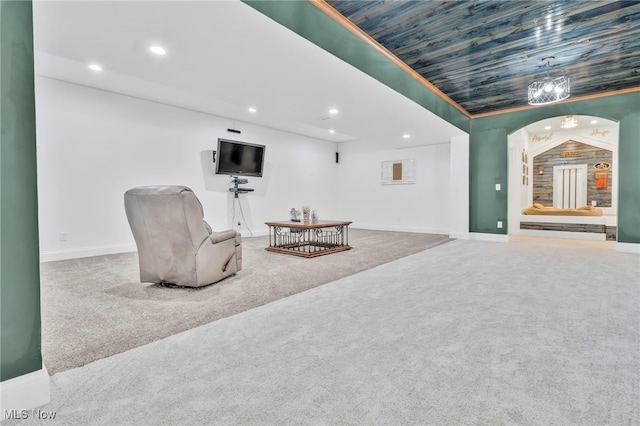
[{"x": 589, "y": 155}]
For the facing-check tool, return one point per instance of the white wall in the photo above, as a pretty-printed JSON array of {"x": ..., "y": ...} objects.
[
  {"x": 518, "y": 193},
  {"x": 459, "y": 188},
  {"x": 93, "y": 145},
  {"x": 419, "y": 207}
]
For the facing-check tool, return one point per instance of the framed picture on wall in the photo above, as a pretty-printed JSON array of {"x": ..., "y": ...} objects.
[{"x": 398, "y": 172}]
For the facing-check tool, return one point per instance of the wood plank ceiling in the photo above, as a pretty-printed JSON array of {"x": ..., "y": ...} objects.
[{"x": 483, "y": 54}]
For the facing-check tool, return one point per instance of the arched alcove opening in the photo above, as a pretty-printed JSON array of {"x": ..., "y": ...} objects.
[{"x": 563, "y": 180}]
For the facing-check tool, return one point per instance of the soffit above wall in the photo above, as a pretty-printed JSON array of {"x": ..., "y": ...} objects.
[{"x": 222, "y": 57}]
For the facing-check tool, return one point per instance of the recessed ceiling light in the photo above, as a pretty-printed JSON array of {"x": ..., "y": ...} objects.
[
  {"x": 158, "y": 50},
  {"x": 547, "y": 127},
  {"x": 332, "y": 131},
  {"x": 333, "y": 111},
  {"x": 406, "y": 136},
  {"x": 95, "y": 67},
  {"x": 252, "y": 109},
  {"x": 594, "y": 121}
]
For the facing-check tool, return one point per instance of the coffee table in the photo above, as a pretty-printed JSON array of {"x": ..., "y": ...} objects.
[{"x": 309, "y": 239}]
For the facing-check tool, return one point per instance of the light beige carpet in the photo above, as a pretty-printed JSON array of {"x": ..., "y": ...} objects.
[
  {"x": 467, "y": 333},
  {"x": 96, "y": 307}
]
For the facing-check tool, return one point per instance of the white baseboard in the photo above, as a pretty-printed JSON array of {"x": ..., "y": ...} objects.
[
  {"x": 247, "y": 234},
  {"x": 50, "y": 256},
  {"x": 76, "y": 253},
  {"x": 459, "y": 235},
  {"x": 628, "y": 248},
  {"x": 498, "y": 238},
  {"x": 25, "y": 392},
  {"x": 399, "y": 228}
]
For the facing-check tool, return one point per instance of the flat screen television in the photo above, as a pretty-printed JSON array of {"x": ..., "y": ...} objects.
[{"x": 239, "y": 158}]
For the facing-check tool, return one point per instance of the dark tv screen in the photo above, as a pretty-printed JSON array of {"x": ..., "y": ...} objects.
[{"x": 239, "y": 158}]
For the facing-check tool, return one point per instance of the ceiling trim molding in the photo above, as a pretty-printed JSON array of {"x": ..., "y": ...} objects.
[
  {"x": 570, "y": 100},
  {"x": 354, "y": 29}
]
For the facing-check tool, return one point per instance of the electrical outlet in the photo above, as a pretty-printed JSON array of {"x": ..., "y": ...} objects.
[
  {"x": 594, "y": 203},
  {"x": 498, "y": 187},
  {"x": 499, "y": 224}
]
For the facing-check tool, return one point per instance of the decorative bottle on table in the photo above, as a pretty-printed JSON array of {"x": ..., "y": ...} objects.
[{"x": 293, "y": 215}]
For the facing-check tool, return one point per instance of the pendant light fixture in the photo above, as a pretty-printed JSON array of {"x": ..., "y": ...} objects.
[{"x": 548, "y": 89}]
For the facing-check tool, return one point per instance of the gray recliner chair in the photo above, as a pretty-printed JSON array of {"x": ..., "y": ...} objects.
[{"x": 175, "y": 244}]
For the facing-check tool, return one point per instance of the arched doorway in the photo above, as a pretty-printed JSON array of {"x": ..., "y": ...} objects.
[{"x": 567, "y": 163}]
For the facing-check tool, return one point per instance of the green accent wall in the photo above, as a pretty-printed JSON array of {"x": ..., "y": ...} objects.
[
  {"x": 308, "y": 21},
  {"x": 488, "y": 159},
  {"x": 20, "y": 326},
  {"x": 629, "y": 174}
]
